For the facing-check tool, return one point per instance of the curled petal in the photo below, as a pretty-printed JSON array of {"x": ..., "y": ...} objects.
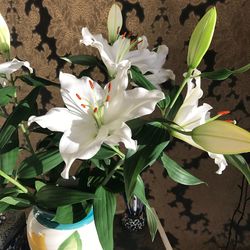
[
  {"x": 220, "y": 161},
  {"x": 124, "y": 135},
  {"x": 14, "y": 65},
  {"x": 56, "y": 119}
]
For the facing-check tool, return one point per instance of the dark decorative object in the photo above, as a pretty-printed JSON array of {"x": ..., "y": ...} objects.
[{"x": 134, "y": 217}]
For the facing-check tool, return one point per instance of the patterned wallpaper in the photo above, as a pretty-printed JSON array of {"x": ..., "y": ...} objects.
[{"x": 194, "y": 217}]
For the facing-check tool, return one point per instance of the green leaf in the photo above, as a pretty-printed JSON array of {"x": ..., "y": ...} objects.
[
  {"x": 177, "y": 173},
  {"x": 223, "y": 74},
  {"x": 14, "y": 201},
  {"x": 201, "y": 38},
  {"x": 153, "y": 138},
  {"x": 240, "y": 163},
  {"x": 52, "y": 197},
  {"x": 104, "y": 153},
  {"x": 39, "y": 185},
  {"x": 36, "y": 81},
  {"x": 40, "y": 163},
  {"x": 151, "y": 216},
  {"x": 6, "y": 95},
  {"x": 22, "y": 112},
  {"x": 72, "y": 242},
  {"x": 84, "y": 60},
  {"x": 104, "y": 212}
]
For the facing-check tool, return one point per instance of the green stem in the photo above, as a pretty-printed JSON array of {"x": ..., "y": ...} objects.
[
  {"x": 121, "y": 155},
  {"x": 14, "y": 182},
  {"x": 26, "y": 135},
  {"x": 183, "y": 84},
  {"x": 110, "y": 174}
]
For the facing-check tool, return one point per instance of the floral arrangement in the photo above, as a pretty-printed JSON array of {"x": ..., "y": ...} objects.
[{"x": 102, "y": 125}]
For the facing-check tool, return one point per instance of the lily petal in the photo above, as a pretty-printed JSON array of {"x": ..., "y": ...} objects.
[
  {"x": 56, "y": 119},
  {"x": 124, "y": 135},
  {"x": 83, "y": 141},
  {"x": 220, "y": 161}
]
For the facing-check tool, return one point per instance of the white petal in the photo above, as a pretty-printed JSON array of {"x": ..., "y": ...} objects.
[
  {"x": 148, "y": 61},
  {"x": 76, "y": 92},
  {"x": 160, "y": 76},
  {"x": 4, "y": 34},
  {"x": 56, "y": 119},
  {"x": 127, "y": 105},
  {"x": 124, "y": 135},
  {"x": 83, "y": 141},
  {"x": 102, "y": 45},
  {"x": 143, "y": 44},
  {"x": 220, "y": 161},
  {"x": 14, "y": 65}
]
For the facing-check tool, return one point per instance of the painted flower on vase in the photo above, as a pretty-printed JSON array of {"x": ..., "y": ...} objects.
[
  {"x": 96, "y": 115},
  {"x": 121, "y": 47},
  {"x": 190, "y": 115}
]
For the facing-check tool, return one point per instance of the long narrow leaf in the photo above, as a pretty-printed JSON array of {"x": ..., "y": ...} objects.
[
  {"x": 104, "y": 212},
  {"x": 177, "y": 173}
]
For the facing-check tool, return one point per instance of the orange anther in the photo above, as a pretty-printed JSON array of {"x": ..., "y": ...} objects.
[
  {"x": 91, "y": 84},
  {"x": 95, "y": 109},
  {"x": 124, "y": 35},
  {"x": 83, "y": 105},
  {"x": 108, "y": 98},
  {"x": 224, "y": 112},
  {"x": 79, "y": 97},
  {"x": 230, "y": 121},
  {"x": 109, "y": 86}
]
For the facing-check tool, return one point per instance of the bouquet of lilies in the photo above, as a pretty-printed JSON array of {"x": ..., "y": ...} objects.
[{"x": 102, "y": 125}]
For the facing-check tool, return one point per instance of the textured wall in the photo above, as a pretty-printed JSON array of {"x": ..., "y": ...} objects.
[{"x": 193, "y": 217}]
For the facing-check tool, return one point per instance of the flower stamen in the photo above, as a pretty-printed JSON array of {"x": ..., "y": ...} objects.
[
  {"x": 78, "y": 96},
  {"x": 224, "y": 112},
  {"x": 91, "y": 84}
]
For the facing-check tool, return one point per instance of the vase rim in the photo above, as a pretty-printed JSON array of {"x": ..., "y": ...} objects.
[{"x": 44, "y": 218}]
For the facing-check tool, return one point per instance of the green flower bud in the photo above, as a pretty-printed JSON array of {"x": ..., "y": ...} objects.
[
  {"x": 114, "y": 23},
  {"x": 4, "y": 37},
  {"x": 201, "y": 38},
  {"x": 222, "y": 137}
]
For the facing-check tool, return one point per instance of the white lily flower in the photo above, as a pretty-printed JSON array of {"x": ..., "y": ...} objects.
[
  {"x": 94, "y": 115},
  {"x": 190, "y": 115},
  {"x": 113, "y": 55},
  {"x": 8, "y": 68}
]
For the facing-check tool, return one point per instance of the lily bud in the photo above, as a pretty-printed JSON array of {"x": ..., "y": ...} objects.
[
  {"x": 222, "y": 137},
  {"x": 4, "y": 37},
  {"x": 114, "y": 23}
]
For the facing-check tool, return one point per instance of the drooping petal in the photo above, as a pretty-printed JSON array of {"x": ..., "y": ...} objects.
[
  {"x": 79, "y": 94},
  {"x": 105, "y": 50},
  {"x": 56, "y": 119},
  {"x": 14, "y": 65},
  {"x": 124, "y": 135},
  {"x": 220, "y": 161},
  {"x": 83, "y": 141}
]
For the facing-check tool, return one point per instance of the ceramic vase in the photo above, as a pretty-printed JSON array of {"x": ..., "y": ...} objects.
[{"x": 45, "y": 234}]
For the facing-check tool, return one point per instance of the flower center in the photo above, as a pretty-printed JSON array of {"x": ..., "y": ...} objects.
[{"x": 94, "y": 107}]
